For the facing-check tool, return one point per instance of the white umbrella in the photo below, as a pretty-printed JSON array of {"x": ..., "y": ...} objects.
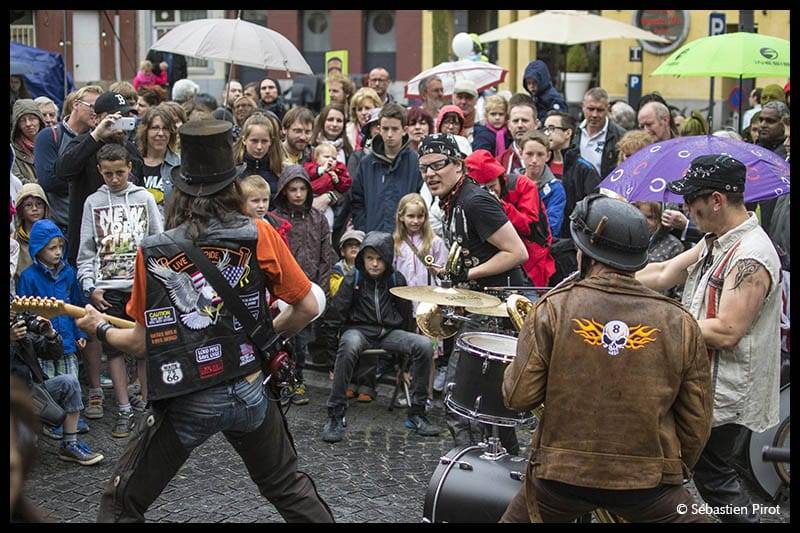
[
  {"x": 481, "y": 73},
  {"x": 569, "y": 27},
  {"x": 234, "y": 41}
]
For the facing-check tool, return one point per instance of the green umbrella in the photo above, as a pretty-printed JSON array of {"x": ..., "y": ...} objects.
[{"x": 731, "y": 55}]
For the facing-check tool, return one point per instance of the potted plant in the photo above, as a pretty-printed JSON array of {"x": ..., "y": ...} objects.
[{"x": 578, "y": 73}]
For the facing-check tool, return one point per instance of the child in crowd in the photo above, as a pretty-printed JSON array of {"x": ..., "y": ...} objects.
[
  {"x": 50, "y": 276},
  {"x": 372, "y": 317},
  {"x": 115, "y": 220},
  {"x": 535, "y": 148},
  {"x": 327, "y": 174},
  {"x": 256, "y": 193},
  {"x": 146, "y": 76},
  {"x": 348, "y": 249},
  {"x": 330, "y": 127},
  {"x": 493, "y": 134},
  {"x": 310, "y": 242},
  {"x": 31, "y": 206},
  {"x": 414, "y": 239},
  {"x": 259, "y": 148}
]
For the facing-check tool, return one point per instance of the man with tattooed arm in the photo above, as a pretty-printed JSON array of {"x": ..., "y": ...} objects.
[{"x": 733, "y": 289}]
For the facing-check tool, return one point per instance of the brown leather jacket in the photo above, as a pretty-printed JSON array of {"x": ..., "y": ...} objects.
[{"x": 628, "y": 403}]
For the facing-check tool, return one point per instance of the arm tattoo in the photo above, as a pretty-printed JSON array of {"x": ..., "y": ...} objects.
[{"x": 747, "y": 267}]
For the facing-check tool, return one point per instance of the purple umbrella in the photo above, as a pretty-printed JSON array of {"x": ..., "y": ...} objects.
[{"x": 644, "y": 175}]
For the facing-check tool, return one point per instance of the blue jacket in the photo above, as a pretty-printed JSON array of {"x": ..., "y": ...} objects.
[
  {"x": 547, "y": 98},
  {"x": 554, "y": 198},
  {"x": 378, "y": 185},
  {"x": 484, "y": 138},
  {"x": 38, "y": 280}
]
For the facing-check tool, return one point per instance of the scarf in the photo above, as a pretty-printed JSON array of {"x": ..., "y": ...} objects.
[
  {"x": 22, "y": 235},
  {"x": 499, "y": 139},
  {"x": 447, "y": 203},
  {"x": 26, "y": 145}
]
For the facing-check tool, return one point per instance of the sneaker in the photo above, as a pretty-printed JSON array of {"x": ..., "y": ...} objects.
[
  {"x": 438, "y": 380},
  {"x": 83, "y": 427},
  {"x": 94, "y": 409},
  {"x": 334, "y": 429},
  {"x": 105, "y": 382},
  {"x": 123, "y": 424},
  {"x": 78, "y": 452},
  {"x": 299, "y": 395},
  {"x": 420, "y": 425},
  {"x": 54, "y": 432},
  {"x": 350, "y": 394},
  {"x": 363, "y": 397},
  {"x": 137, "y": 404}
]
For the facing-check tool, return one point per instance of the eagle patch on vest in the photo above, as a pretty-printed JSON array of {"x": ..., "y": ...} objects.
[
  {"x": 615, "y": 335},
  {"x": 191, "y": 294}
]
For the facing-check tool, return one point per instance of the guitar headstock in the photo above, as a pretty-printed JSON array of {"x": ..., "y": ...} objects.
[{"x": 46, "y": 307}]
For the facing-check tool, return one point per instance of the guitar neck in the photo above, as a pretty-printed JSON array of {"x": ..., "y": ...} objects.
[{"x": 79, "y": 312}]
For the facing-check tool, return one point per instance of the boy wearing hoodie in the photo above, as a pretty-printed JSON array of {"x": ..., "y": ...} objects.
[
  {"x": 115, "y": 220},
  {"x": 537, "y": 83},
  {"x": 372, "y": 317},
  {"x": 31, "y": 206},
  {"x": 310, "y": 243},
  {"x": 49, "y": 276}
]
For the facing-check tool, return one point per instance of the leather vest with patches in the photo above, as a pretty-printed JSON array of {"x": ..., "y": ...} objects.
[{"x": 193, "y": 340}]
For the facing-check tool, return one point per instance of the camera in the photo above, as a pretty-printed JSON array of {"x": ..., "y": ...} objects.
[
  {"x": 33, "y": 323},
  {"x": 125, "y": 123}
]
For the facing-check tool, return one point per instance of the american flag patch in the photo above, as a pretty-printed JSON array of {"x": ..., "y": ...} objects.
[{"x": 233, "y": 274}]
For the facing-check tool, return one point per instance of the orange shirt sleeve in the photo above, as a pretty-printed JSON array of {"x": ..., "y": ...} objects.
[
  {"x": 289, "y": 282},
  {"x": 136, "y": 304}
]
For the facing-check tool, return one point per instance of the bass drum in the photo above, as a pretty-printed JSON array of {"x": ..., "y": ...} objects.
[
  {"x": 468, "y": 488},
  {"x": 769, "y": 476}
]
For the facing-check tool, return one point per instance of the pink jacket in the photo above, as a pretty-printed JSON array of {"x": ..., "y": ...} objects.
[{"x": 143, "y": 80}]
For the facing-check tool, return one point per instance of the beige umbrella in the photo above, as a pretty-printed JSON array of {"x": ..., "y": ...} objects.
[{"x": 569, "y": 27}]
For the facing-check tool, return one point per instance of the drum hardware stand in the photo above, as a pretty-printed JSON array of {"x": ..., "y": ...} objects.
[{"x": 493, "y": 449}]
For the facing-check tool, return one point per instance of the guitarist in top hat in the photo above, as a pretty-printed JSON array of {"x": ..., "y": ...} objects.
[{"x": 204, "y": 368}]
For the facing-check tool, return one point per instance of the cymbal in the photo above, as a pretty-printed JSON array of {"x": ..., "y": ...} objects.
[
  {"x": 441, "y": 296},
  {"x": 496, "y": 310}
]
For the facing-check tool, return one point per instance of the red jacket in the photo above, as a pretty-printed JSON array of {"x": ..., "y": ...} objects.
[
  {"x": 323, "y": 184},
  {"x": 511, "y": 156},
  {"x": 526, "y": 212}
]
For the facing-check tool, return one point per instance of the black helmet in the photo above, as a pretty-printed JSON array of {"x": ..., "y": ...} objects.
[{"x": 610, "y": 231}]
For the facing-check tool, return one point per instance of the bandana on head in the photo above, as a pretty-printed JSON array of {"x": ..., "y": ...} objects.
[{"x": 439, "y": 143}]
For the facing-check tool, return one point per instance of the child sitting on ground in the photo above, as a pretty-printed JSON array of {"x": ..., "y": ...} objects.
[{"x": 327, "y": 174}]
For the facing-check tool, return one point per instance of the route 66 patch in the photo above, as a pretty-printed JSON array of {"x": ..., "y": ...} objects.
[{"x": 171, "y": 373}]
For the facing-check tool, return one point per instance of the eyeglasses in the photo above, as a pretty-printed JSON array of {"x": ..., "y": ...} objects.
[
  {"x": 87, "y": 104},
  {"x": 38, "y": 204},
  {"x": 436, "y": 166},
  {"x": 550, "y": 129},
  {"x": 158, "y": 128}
]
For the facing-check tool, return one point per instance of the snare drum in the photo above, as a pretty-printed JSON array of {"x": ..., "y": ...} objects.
[
  {"x": 771, "y": 477},
  {"x": 466, "y": 487},
  {"x": 477, "y": 392}
]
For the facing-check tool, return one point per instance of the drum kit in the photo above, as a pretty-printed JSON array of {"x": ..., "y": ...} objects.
[{"x": 457, "y": 491}]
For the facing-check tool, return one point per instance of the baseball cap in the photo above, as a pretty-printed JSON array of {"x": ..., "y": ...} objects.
[
  {"x": 111, "y": 103},
  {"x": 715, "y": 172},
  {"x": 483, "y": 167},
  {"x": 466, "y": 86},
  {"x": 351, "y": 235}
]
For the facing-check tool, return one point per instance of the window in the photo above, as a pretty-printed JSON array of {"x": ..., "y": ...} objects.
[
  {"x": 316, "y": 28},
  {"x": 381, "y": 43},
  {"x": 166, "y": 19},
  {"x": 22, "y": 27}
]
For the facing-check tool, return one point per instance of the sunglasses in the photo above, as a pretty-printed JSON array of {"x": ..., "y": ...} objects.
[{"x": 436, "y": 166}]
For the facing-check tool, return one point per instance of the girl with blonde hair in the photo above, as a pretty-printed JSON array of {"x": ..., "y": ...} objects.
[
  {"x": 414, "y": 239},
  {"x": 259, "y": 147}
]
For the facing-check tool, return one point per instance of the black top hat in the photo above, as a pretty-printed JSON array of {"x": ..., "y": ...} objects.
[
  {"x": 207, "y": 164},
  {"x": 714, "y": 172}
]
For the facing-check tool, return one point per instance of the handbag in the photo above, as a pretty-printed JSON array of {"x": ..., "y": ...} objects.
[
  {"x": 45, "y": 407},
  {"x": 277, "y": 365}
]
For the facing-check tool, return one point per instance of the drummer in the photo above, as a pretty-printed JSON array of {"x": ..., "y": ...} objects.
[
  {"x": 492, "y": 251},
  {"x": 627, "y": 381}
]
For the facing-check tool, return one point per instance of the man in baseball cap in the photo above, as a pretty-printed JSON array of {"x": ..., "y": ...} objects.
[
  {"x": 111, "y": 103},
  {"x": 733, "y": 290},
  {"x": 465, "y": 96}
]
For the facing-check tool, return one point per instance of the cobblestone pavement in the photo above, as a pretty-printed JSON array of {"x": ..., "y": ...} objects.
[{"x": 379, "y": 473}]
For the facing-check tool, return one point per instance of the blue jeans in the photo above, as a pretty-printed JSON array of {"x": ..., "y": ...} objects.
[
  {"x": 165, "y": 439},
  {"x": 237, "y": 407},
  {"x": 66, "y": 391}
]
